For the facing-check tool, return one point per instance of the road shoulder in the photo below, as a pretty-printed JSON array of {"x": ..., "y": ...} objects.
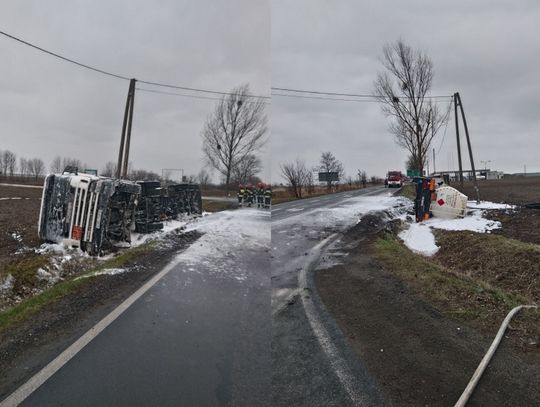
[{"x": 419, "y": 356}]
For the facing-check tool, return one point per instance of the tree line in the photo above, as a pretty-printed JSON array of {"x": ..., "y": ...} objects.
[
  {"x": 300, "y": 178},
  {"x": 27, "y": 167}
]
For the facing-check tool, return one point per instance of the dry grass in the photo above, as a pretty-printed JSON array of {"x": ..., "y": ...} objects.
[
  {"x": 481, "y": 294},
  {"x": 31, "y": 305},
  {"x": 216, "y": 206},
  {"x": 508, "y": 264}
]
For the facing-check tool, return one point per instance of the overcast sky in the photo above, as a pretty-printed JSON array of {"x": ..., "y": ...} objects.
[
  {"x": 487, "y": 50},
  {"x": 49, "y": 107}
]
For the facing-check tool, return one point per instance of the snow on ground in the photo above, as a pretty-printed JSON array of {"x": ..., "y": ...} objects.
[
  {"x": 488, "y": 205},
  {"x": 419, "y": 237},
  {"x": 104, "y": 272},
  {"x": 6, "y": 284},
  {"x": 227, "y": 237},
  {"x": 139, "y": 238}
]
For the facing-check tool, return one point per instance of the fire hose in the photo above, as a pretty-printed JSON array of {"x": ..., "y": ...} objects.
[{"x": 487, "y": 357}]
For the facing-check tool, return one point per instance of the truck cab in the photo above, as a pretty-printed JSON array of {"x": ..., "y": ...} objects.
[{"x": 394, "y": 179}]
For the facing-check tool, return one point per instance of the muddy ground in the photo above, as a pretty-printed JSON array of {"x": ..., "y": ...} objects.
[
  {"x": 419, "y": 356},
  {"x": 18, "y": 221},
  {"x": 512, "y": 190},
  {"x": 522, "y": 224},
  {"x": 28, "y": 346}
]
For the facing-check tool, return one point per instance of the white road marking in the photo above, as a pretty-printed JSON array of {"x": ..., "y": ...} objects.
[
  {"x": 295, "y": 209},
  {"x": 338, "y": 363},
  {"x": 21, "y": 185},
  {"x": 19, "y": 395}
]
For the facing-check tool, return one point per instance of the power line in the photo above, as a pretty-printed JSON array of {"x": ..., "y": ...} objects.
[
  {"x": 446, "y": 125},
  {"x": 318, "y": 92},
  {"x": 118, "y": 76},
  {"x": 64, "y": 58},
  {"x": 161, "y": 92},
  {"x": 215, "y": 92},
  {"x": 364, "y": 100}
]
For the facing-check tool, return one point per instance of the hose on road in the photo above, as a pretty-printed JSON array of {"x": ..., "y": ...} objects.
[{"x": 487, "y": 357}]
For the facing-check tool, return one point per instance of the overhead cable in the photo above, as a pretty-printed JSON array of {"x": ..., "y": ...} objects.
[{"x": 124, "y": 77}]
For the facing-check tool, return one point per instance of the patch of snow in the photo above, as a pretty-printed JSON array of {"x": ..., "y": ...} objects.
[
  {"x": 51, "y": 247},
  {"x": 50, "y": 276},
  {"x": 488, "y": 205},
  {"x": 6, "y": 284},
  {"x": 104, "y": 272},
  {"x": 419, "y": 238},
  {"x": 16, "y": 236},
  {"x": 168, "y": 226}
]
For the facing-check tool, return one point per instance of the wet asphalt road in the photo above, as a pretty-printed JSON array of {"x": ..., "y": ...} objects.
[
  {"x": 302, "y": 374},
  {"x": 295, "y": 231},
  {"x": 196, "y": 338}
]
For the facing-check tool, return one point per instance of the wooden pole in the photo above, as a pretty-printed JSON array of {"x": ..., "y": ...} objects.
[
  {"x": 457, "y": 138},
  {"x": 128, "y": 133},
  {"x": 123, "y": 137},
  {"x": 470, "y": 149}
]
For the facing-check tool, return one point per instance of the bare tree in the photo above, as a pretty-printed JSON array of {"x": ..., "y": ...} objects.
[
  {"x": 296, "y": 174},
  {"x": 362, "y": 178},
  {"x": 141, "y": 175},
  {"x": 72, "y": 162},
  {"x": 246, "y": 170},
  {"x": 3, "y": 163},
  {"x": 56, "y": 165},
  {"x": 203, "y": 177},
  {"x": 109, "y": 170},
  {"x": 403, "y": 91},
  {"x": 36, "y": 167},
  {"x": 410, "y": 164},
  {"x": 310, "y": 182},
  {"x": 23, "y": 166},
  {"x": 330, "y": 164},
  {"x": 234, "y": 130},
  {"x": 9, "y": 162}
]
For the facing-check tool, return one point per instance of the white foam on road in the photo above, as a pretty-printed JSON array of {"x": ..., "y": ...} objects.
[
  {"x": 346, "y": 214},
  {"x": 228, "y": 235}
]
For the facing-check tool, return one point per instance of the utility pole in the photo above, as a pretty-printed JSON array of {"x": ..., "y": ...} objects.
[
  {"x": 457, "y": 139},
  {"x": 125, "y": 140},
  {"x": 457, "y": 101},
  {"x": 434, "y": 169}
]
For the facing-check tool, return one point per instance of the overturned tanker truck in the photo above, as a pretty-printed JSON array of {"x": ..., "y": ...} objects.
[{"x": 97, "y": 213}]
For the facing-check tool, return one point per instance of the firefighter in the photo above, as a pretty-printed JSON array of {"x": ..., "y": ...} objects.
[
  {"x": 250, "y": 195},
  {"x": 241, "y": 193},
  {"x": 267, "y": 196},
  {"x": 260, "y": 195}
]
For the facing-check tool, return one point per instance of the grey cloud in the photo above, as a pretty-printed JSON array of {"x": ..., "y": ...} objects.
[{"x": 486, "y": 50}]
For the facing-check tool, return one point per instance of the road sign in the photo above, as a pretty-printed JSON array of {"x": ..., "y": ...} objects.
[
  {"x": 328, "y": 176},
  {"x": 413, "y": 173}
]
